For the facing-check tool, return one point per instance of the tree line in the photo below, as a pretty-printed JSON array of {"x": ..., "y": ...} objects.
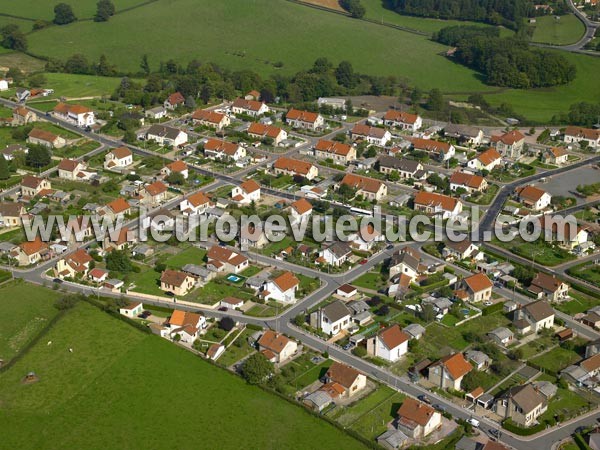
[
  {"x": 509, "y": 61},
  {"x": 509, "y": 13}
]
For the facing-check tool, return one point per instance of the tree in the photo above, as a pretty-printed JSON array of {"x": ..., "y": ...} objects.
[
  {"x": 354, "y": 7},
  {"x": 321, "y": 66},
  {"x": 118, "y": 261},
  {"x": 175, "y": 178},
  {"x": 300, "y": 320},
  {"x": 13, "y": 38},
  {"x": 104, "y": 68},
  {"x": 436, "y": 102},
  {"x": 190, "y": 102},
  {"x": 344, "y": 74},
  {"x": 416, "y": 95},
  {"x": 226, "y": 323},
  {"x": 4, "y": 170},
  {"x": 104, "y": 9},
  {"x": 38, "y": 156},
  {"x": 77, "y": 64},
  {"x": 257, "y": 369},
  {"x": 37, "y": 80},
  {"x": 394, "y": 176},
  {"x": 63, "y": 14}
]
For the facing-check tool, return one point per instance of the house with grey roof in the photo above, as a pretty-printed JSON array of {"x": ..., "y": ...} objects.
[
  {"x": 332, "y": 318},
  {"x": 414, "y": 330},
  {"x": 480, "y": 360},
  {"x": 502, "y": 336},
  {"x": 318, "y": 400},
  {"x": 392, "y": 439},
  {"x": 523, "y": 404}
]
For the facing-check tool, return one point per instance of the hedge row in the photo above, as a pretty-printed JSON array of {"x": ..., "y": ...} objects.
[
  {"x": 514, "y": 428},
  {"x": 492, "y": 309}
]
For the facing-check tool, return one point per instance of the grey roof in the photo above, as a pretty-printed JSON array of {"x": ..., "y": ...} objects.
[
  {"x": 539, "y": 310},
  {"x": 319, "y": 398},
  {"x": 466, "y": 443},
  {"x": 502, "y": 333},
  {"x": 406, "y": 258},
  {"x": 461, "y": 130},
  {"x": 393, "y": 438},
  {"x": 142, "y": 248},
  {"x": 404, "y": 165},
  {"x": 163, "y": 131},
  {"x": 526, "y": 397},
  {"x": 91, "y": 207},
  {"x": 339, "y": 249},
  {"x": 196, "y": 270},
  {"x": 257, "y": 280},
  {"x": 362, "y": 316},
  {"x": 546, "y": 388},
  {"x": 335, "y": 311},
  {"x": 477, "y": 357},
  {"x": 358, "y": 306},
  {"x": 10, "y": 149},
  {"x": 6, "y": 246},
  {"x": 575, "y": 372},
  {"x": 414, "y": 329},
  {"x": 157, "y": 109},
  {"x": 594, "y": 440}
]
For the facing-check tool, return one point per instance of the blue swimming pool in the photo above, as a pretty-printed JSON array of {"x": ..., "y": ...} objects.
[{"x": 233, "y": 278}]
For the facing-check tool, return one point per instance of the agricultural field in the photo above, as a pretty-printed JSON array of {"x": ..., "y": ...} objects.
[
  {"x": 41, "y": 9},
  {"x": 115, "y": 369},
  {"x": 26, "y": 309},
  {"x": 564, "y": 30}
]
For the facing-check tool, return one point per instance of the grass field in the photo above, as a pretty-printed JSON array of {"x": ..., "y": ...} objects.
[
  {"x": 556, "y": 359},
  {"x": 567, "y": 30},
  {"x": 26, "y": 309},
  {"x": 42, "y": 9},
  {"x": 110, "y": 392},
  {"x": 73, "y": 86}
]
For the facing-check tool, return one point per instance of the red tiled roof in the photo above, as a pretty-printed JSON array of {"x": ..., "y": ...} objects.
[
  {"x": 466, "y": 179},
  {"x": 304, "y": 116},
  {"x": 208, "y": 116},
  {"x": 63, "y": 108},
  {"x": 176, "y": 98},
  {"x": 489, "y": 156},
  {"x": 335, "y": 148},
  {"x": 286, "y": 281},
  {"x": 293, "y": 165},
  {"x": 362, "y": 183},
  {"x": 260, "y": 129},
  {"x": 416, "y": 411},
  {"x": 393, "y": 336},
  {"x": 478, "y": 282},
  {"x": 400, "y": 116},
  {"x": 119, "y": 205},
  {"x": 432, "y": 199}
]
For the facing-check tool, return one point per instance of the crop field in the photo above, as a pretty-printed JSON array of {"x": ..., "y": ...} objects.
[
  {"x": 565, "y": 30},
  {"x": 85, "y": 398}
]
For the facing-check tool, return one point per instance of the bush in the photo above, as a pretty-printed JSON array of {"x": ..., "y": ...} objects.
[{"x": 516, "y": 429}]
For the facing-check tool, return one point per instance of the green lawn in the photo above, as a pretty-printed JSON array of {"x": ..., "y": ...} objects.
[
  {"x": 375, "y": 421},
  {"x": 347, "y": 416},
  {"x": 238, "y": 350},
  {"x": 26, "y": 309},
  {"x": 545, "y": 253},
  {"x": 147, "y": 282},
  {"x": 216, "y": 290},
  {"x": 579, "y": 304},
  {"x": 556, "y": 359},
  {"x": 114, "y": 384},
  {"x": 74, "y": 86},
  {"x": 191, "y": 255},
  {"x": 370, "y": 280},
  {"x": 588, "y": 272},
  {"x": 566, "y": 30}
]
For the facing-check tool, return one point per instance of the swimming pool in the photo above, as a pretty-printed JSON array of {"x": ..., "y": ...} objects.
[{"x": 233, "y": 278}]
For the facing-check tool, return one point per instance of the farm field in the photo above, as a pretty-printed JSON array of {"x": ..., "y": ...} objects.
[
  {"x": 42, "y": 9},
  {"x": 115, "y": 369},
  {"x": 372, "y": 48},
  {"x": 566, "y": 30},
  {"x": 26, "y": 309}
]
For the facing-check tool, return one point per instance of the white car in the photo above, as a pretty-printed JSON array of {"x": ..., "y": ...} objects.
[{"x": 473, "y": 422}]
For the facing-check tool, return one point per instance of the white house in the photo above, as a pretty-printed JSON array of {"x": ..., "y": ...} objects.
[
  {"x": 435, "y": 204},
  {"x": 132, "y": 310},
  {"x": 249, "y": 107},
  {"x": 290, "y": 166},
  {"x": 578, "y": 134},
  {"x": 533, "y": 197},
  {"x": 403, "y": 120},
  {"x": 78, "y": 115},
  {"x": 185, "y": 324},
  {"x": 176, "y": 167},
  {"x": 335, "y": 254},
  {"x": 118, "y": 158},
  {"x": 510, "y": 144},
  {"x": 211, "y": 119},
  {"x": 3, "y": 85},
  {"x": 416, "y": 419},
  {"x": 390, "y": 344},
  {"x": 156, "y": 113},
  {"x": 441, "y": 151},
  {"x": 166, "y": 136},
  {"x": 276, "y": 347},
  {"x": 373, "y": 135},
  {"x": 246, "y": 193},
  {"x": 304, "y": 120},
  {"x": 333, "y": 318},
  {"x": 71, "y": 169},
  {"x": 486, "y": 160},
  {"x": 282, "y": 288},
  {"x": 174, "y": 100},
  {"x": 262, "y": 131},
  {"x": 195, "y": 204},
  {"x": 219, "y": 149},
  {"x": 300, "y": 210}
]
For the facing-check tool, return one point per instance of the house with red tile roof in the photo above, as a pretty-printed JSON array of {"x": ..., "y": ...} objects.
[
  {"x": 252, "y": 108},
  {"x": 211, "y": 119},
  {"x": 174, "y": 100},
  {"x": 304, "y": 120},
  {"x": 185, "y": 324},
  {"x": 281, "y": 288},
  {"x": 350, "y": 379},
  {"x": 77, "y": 264},
  {"x": 30, "y": 252},
  {"x": 71, "y": 169},
  {"x": 338, "y": 152},
  {"x": 373, "y": 135},
  {"x": 177, "y": 282},
  {"x": 448, "y": 372},
  {"x": 440, "y": 151},
  {"x": 403, "y": 120},
  {"x": 176, "y": 167},
  {"x": 467, "y": 181},
  {"x": 478, "y": 287},
  {"x": 23, "y": 116},
  {"x": 118, "y": 208},
  {"x": 533, "y": 197},
  {"x": 276, "y": 347},
  {"x": 510, "y": 144},
  {"x": 300, "y": 210},
  {"x": 437, "y": 204},
  {"x": 222, "y": 259},
  {"x": 555, "y": 155},
  {"x": 416, "y": 419},
  {"x": 390, "y": 344},
  {"x": 261, "y": 131},
  {"x": 580, "y": 135},
  {"x": 487, "y": 160},
  {"x": 78, "y": 115},
  {"x": 246, "y": 193},
  {"x": 37, "y": 136},
  {"x": 194, "y": 204},
  {"x": 154, "y": 193},
  {"x": 118, "y": 158},
  {"x": 32, "y": 186},
  {"x": 290, "y": 166},
  {"x": 368, "y": 188},
  {"x": 219, "y": 149}
]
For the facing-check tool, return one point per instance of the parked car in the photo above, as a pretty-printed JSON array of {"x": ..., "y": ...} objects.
[
  {"x": 347, "y": 347},
  {"x": 473, "y": 421},
  {"x": 57, "y": 281},
  {"x": 223, "y": 308},
  {"x": 364, "y": 261},
  {"x": 439, "y": 407},
  {"x": 424, "y": 399}
]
